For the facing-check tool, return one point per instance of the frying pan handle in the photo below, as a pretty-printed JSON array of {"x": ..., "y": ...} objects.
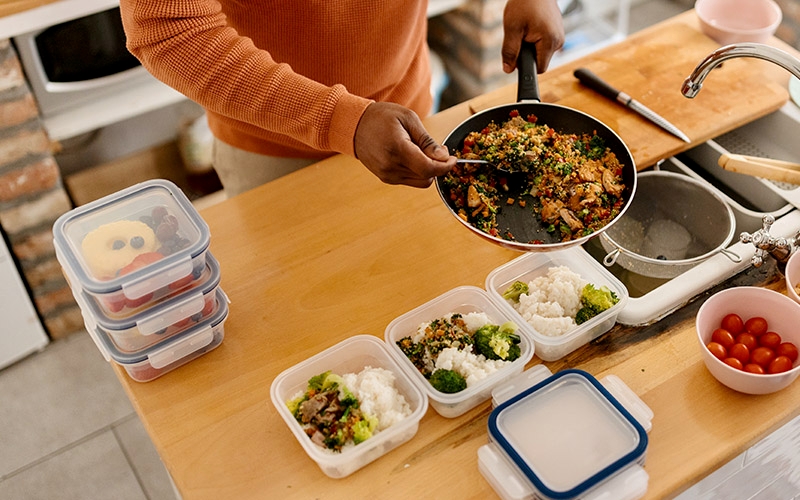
[{"x": 527, "y": 82}]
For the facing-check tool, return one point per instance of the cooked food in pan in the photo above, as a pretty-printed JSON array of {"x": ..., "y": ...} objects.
[{"x": 574, "y": 179}]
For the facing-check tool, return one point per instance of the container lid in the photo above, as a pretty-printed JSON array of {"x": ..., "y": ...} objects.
[
  {"x": 567, "y": 434},
  {"x": 129, "y": 236},
  {"x": 170, "y": 349},
  {"x": 163, "y": 313}
]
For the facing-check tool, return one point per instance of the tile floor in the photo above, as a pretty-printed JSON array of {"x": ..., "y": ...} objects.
[{"x": 70, "y": 432}]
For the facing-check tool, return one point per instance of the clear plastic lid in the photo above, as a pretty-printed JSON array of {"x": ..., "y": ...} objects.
[
  {"x": 169, "y": 350},
  {"x": 164, "y": 312},
  {"x": 130, "y": 235},
  {"x": 567, "y": 434}
]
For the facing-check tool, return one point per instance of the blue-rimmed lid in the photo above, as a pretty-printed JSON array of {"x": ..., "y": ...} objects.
[
  {"x": 172, "y": 348},
  {"x": 567, "y": 434},
  {"x": 99, "y": 241},
  {"x": 163, "y": 313}
]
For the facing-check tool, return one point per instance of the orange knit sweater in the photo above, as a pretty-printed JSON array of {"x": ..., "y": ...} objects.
[{"x": 285, "y": 78}]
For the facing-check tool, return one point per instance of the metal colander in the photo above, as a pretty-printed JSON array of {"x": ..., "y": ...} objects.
[{"x": 672, "y": 224}]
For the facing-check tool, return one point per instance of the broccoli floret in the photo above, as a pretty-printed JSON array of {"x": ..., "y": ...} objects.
[
  {"x": 498, "y": 342},
  {"x": 594, "y": 301},
  {"x": 363, "y": 429},
  {"x": 448, "y": 381},
  {"x": 515, "y": 290}
]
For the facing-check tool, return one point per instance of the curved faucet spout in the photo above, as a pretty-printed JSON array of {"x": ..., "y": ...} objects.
[{"x": 694, "y": 82}]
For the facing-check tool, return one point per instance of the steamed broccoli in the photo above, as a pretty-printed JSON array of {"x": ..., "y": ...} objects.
[
  {"x": 448, "y": 381},
  {"x": 498, "y": 342},
  {"x": 594, "y": 301},
  {"x": 515, "y": 290},
  {"x": 362, "y": 430}
]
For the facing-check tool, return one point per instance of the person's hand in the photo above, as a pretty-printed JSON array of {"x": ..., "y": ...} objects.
[
  {"x": 535, "y": 21},
  {"x": 393, "y": 144}
]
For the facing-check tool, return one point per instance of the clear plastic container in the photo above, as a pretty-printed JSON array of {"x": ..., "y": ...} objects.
[
  {"x": 463, "y": 300},
  {"x": 532, "y": 265},
  {"x": 567, "y": 437},
  {"x": 349, "y": 356},
  {"x": 167, "y": 355},
  {"x": 163, "y": 320},
  {"x": 131, "y": 248}
]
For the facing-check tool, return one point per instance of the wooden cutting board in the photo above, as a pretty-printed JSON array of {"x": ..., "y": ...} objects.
[{"x": 650, "y": 66}]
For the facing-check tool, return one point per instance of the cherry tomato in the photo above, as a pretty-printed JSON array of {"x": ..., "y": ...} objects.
[
  {"x": 754, "y": 368},
  {"x": 762, "y": 356},
  {"x": 740, "y": 352},
  {"x": 734, "y": 363},
  {"x": 717, "y": 350},
  {"x": 787, "y": 349},
  {"x": 780, "y": 364},
  {"x": 770, "y": 339},
  {"x": 723, "y": 337},
  {"x": 757, "y": 326},
  {"x": 747, "y": 339},
  {"x": 733, "y": 323}
]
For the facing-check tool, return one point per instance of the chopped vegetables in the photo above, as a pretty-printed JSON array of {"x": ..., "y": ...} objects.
[{"x": 576, "y": 179}]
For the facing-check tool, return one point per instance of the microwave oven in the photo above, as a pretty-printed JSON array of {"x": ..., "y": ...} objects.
[{"x": 78, "y": 60}]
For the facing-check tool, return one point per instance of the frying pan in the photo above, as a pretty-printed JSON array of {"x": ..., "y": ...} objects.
[{"x": 523, "y": 222}]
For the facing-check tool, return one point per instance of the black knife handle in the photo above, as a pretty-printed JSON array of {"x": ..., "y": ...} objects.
[{"x": 594, "y": 82}]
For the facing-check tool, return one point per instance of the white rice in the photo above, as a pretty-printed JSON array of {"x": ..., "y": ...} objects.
[
  {"x": 473, "y": 367},
  {"x": 378, "y": 396},
  {"x": 552, "y": 301}
]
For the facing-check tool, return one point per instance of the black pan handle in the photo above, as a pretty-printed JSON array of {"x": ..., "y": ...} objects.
[{"x": 527, "y": 82}]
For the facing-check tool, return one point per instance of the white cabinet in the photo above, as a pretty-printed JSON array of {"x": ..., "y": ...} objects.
[
  {"x": 21, "y": 332},
  {"x": 590, "y": 26}
]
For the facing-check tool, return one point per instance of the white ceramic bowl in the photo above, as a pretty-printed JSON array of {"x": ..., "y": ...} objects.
[
  {"x": 782, "y": 315},
  {"x": 734, "y": 21},
  {"x": 793, "y": 276}
]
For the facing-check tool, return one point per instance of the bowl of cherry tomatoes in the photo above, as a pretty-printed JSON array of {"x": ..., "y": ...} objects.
[{"x": 749, "y": 339}]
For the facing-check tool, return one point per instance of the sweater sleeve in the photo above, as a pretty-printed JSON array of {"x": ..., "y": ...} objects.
[{"x": 187, "y": 45}]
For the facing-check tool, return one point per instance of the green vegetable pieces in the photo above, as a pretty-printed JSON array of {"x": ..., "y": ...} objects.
[
  {"x": 330, "y": 413},
  {"x": 498, "y": 342},
  {"x": 594, "y": 301},
  {"x": 448, "y": 381},
  {"x": 515, "y": 290}
]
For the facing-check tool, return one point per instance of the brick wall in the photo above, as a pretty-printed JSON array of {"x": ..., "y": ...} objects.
[{"x": 32, "y": 197}]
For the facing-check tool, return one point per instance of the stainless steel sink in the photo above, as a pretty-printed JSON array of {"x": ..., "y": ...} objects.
[{"x": 773, "y": 136}]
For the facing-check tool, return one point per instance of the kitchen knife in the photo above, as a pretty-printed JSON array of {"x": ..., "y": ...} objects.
[{"x": 594, "y": 82}]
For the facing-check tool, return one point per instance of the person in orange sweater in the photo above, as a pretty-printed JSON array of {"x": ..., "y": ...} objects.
[{"x": 285, "y": 84}]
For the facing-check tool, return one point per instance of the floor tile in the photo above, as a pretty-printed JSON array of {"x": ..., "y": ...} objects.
[
  {"x": 93, "y": 469},
  {"x": 55, "y": 398},
  {"x": 144, "y": 459}
]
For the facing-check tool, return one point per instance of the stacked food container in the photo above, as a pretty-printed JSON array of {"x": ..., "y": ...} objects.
[{"x": 138, "y": 264}]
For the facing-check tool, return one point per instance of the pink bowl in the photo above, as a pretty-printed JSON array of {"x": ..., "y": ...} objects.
[
  {"x": 792, "y": 273},
  {"x": 734, "y": 21},
  {"x": 782, "y": 315}
]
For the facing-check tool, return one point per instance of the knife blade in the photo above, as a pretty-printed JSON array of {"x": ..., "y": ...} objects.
[{"x": 595, "y": 83}]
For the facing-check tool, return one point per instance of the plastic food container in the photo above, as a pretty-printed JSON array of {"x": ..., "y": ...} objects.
[
  {"x": 349, "y": 356},
  {"x": 132, "y": 248},
  {"x": 567, "y": 437},
  {"x": 532, "y": 265},
  {"x": 463, "y": 300},
  {"x": 163, "y": 357},
  {"x": 164, "y": 319}
]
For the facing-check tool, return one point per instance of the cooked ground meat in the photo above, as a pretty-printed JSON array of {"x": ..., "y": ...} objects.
[{"x": 576, "y": 179}]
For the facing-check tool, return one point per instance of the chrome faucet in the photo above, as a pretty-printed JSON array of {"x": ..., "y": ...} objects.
[
  {"x": 694, "y": 82},
  {"x": 778, "y": 248}
]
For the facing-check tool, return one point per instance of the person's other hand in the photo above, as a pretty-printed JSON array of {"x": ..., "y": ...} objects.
[
  {"x": 393, "y": 144},
  {"x": 535, "y": 21}
]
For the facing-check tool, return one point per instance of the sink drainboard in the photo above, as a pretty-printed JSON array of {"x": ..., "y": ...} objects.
[{"x": 750, "y": 198}]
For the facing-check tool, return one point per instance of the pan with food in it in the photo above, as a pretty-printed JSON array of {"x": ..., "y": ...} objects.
[{"x": 555, "y": 177}]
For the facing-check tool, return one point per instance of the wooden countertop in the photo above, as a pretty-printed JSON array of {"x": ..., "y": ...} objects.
[{"x": 330, "y": 252}]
